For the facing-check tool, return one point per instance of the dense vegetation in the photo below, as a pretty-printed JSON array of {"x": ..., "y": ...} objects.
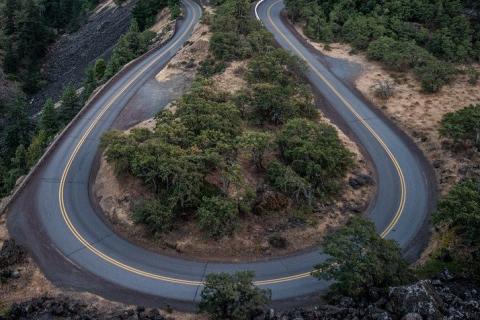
[
  {"x": 463, "y": 126},
  {"x": 192, "y": 160},
  {"x": 359, "y": 260},
  {"x": 428, "y": 36},
  {"x": 28, "y": 27},
  {"x": 31, "y": 25},
  {"x": 458, "y": 222},
  {"x": 232, "y": 297}
]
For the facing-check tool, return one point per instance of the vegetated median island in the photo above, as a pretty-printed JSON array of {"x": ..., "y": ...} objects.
[{"x": 245, "y": 173}]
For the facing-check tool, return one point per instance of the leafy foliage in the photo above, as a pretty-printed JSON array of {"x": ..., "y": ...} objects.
[
  {"x": 30, "y": 26},
  {"x": 359, "y": 259},
  {"x": 232, "y": 297},
  {"x": 462, "y": 125},
  {"x": 177, "y": 157},
  {"x": 461, "y": 209},
  {"x": 315, "y": 153},
  {"x": 217, "y": 216},
  {"x": 425, "y": 35}
]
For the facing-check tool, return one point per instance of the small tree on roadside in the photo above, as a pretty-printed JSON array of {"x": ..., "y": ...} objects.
[
  {"x": 462, "y": 125},
  {"x": 257, "y": 143},
  {"x": 384, "y": 89},
  {"x": 70, "y": 104},
  {"x": 100, "y": 67},
  {"x": 217, "y": 216},
  {"x": 49, "y": 119},
  {"x": 460, "y": 209},
  {"x": 360, "y": 259},
  {"x": 233, "y": 297}
]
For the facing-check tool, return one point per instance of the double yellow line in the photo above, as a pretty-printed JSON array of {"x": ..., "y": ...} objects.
[
  {"x": 150, "y": 275},
  {"x": 398, "y": 169}
]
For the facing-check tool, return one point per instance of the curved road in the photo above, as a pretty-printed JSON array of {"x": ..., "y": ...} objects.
[{"x": 54, "y": 217}]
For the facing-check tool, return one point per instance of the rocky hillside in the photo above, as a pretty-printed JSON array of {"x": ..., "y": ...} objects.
[{"x": 68, "y": 58}]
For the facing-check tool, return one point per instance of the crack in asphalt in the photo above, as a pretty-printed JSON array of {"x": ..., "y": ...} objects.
[{"x": 91, "y": 243}]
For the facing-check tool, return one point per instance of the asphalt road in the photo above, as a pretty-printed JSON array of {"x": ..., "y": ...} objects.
[{"x": 55, "y": 217}]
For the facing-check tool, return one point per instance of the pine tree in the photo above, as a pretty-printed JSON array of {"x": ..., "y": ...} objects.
[
  {"x": 49, "y": 119},
  {"x": 70, "y": 104},
  {"x": 17, "y": 130}
]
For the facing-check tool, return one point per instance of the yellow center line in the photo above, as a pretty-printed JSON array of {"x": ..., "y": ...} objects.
[
  {"x": 399, "y": 211},
  {"x": 134, "y": 270}
]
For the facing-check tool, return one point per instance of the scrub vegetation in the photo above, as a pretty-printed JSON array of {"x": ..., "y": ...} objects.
[
  {"x": 426, "y": 36},
  {"x": 193, "y": 160}
]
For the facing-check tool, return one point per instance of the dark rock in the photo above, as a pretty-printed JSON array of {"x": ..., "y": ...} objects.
[
  {"x": 360, "y": 180},
  {"x": 418, "y": 298}
]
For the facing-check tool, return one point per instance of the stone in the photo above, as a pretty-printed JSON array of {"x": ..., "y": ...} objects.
[{"x": 360, "y": 180}]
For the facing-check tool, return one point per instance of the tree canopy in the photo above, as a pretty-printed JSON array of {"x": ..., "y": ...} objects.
[
  {"x": 462, "y": 125},
  {"x": 426, "y": 35},
  {"x": 358, "y": 259},
  {"x": 232, "y": 297}
]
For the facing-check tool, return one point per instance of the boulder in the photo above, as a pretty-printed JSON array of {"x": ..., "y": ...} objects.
[{"x": 419, "y": 298}]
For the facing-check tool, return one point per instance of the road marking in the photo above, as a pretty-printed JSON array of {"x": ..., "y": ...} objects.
[
  {"x": 399, "y": 211},
  {"x": 176, "y": 280}
]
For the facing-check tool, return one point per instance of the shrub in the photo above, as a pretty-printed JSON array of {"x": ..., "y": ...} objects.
[
  {"x": 217, "y": 216},
  {"x": 359, "y": 259},
  {"x": 461, "y": 209},
  {"x": 315, "y": 152},
  {"x": 232, "y": 297},
  {"x": 277, "y": 241},
  {"x": 156, "y": 215},
  {"x": 462, "y": 125},
  {"x": 434, "y": 75},
  {"x": 284, "y": 179},
  {"x": 384, "y": 89}
]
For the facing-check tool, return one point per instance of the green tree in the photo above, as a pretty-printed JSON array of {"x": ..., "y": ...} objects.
[
  {"x": 217, "y": 216},
  {"x": 358, "y": 259},
  {"x": 461, "y": 209},
  {"x": 70, "y": 104},
  {"x": 462, "y": 125},
  {"x": 232, "y": 297},
  {"x": 315, "y": 152},
  {"x": 157, "y": 215},
  {"x": 257, "y": 143},
  {"x": 49, "y": 119},
  {"x": 17, "y": 129},
  {"x": 100, "y": 67},
  {"x": 36, "y": 148}
]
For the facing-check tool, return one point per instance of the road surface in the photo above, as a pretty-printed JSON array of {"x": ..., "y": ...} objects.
[{"x": 55, "y": 217}]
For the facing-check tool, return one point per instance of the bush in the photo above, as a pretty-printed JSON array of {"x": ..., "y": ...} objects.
[
  {"x": 232, "y": 297},
  {"x": 462, "y": 125},
  {"x": 359, "y": 259},
  {"x": 434, "y": 74},
  {"x": 158, "y": 217},
  {"x": 277, "y": 241},
  {"x": 287, "y": 181},
  {"x": 460, "y": 209},
  {"x": 384, "y": 89},
  {"x": 315, "y": 152},
  {"x": 217, "y": 216}
]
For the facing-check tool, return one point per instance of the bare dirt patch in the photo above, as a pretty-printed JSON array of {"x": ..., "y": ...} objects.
[
  {"x": 188, "y": 58},
  {"x": 232, "y": 79}
]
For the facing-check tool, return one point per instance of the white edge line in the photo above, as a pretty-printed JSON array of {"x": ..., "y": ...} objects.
[{"x": 256, "y": 9}]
